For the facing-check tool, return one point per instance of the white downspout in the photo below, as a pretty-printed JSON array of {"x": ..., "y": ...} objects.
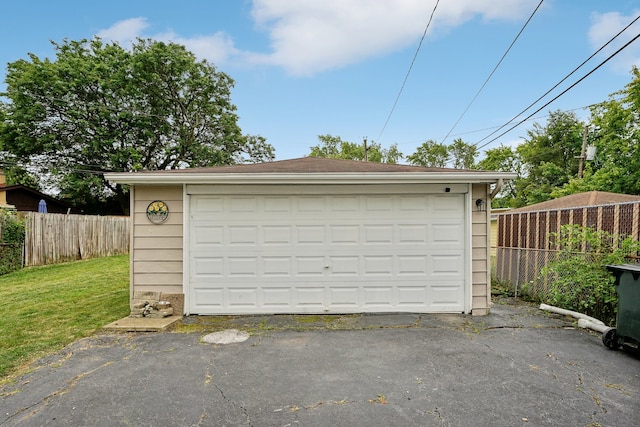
[{"x": 496, "y": 190}]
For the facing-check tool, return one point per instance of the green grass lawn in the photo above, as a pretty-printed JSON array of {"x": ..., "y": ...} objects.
[{"x": 46, "y": 308}]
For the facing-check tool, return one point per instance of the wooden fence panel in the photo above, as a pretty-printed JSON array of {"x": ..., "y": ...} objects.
[
  {"x": 53, "y": 238},
  {"x": 530, "y": 231}
]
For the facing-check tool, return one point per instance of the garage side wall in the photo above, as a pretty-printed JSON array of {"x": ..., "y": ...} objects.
[
  {"x": 156, "y": 250},
  {"x": 481, "y": 231}
]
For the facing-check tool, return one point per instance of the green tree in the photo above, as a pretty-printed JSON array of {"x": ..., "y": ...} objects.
[
  {"x": 463, "y": 155},
  {"x": 335, "y": 148},
  {"x": 18, "y": 175},
  {"x": 503, "y": 159},
  {"x": 549, "y": 157},
  {"x": 615, "y": 132},
  {"x": 430, "y": 154},
  {"x": 98, "y": 107}
]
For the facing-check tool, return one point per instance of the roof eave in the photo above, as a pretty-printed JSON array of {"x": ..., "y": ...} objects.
[{"x": 309, "y": 178}]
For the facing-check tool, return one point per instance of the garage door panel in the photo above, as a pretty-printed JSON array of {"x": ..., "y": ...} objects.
[
  {"x": 344, "y": 266},
  {"x": 207, "y": 235},
  {"x": 277, "y": 298},
  {"x": 242, "y": 235},
  {"x": 209, "y": 299},
  {"x": 310, "y": 266},
  {"x": 379, "y": 297},
  {"x": 206, "y": 267},
  {"x": 277, "y": 204},
  {"x": 276, "y": 266},
  {"x": 311, "y": 204},
  {"x": 378, "y": 265},
  {"x": 443, "y": 266},
  {"x": 378, "y": 234},
  {"x": 310, "y": 235},
  {"x": 345, "y": 204},
  {"x": 412, "y": 265},
  {"x": 444, "y": 206},
  {"x": 203, "y": 207},
  {"x": 277, "y": 235},
  {"x": 447, "y": 235},
  {"x": 310, "y": 297},
  {"x": 344, "y": 234},
  {"x": 344, "y": 297},
  {"x": 243, "y": 204},
  {"x": 412, "y": 234},
  {"x": 243, "y": 298},
  {"x": 323, "y": 253},
  {"x": 412, "y": 296},
  {"x": 378, "y": 204},
  {"x": 446, "y": 297},
  {"x": 242, "y": 266},
  {"x": 318, "y": 297}
]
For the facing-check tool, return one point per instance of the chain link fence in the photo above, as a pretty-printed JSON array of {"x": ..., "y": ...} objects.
[{"x": 526, "y": 244}]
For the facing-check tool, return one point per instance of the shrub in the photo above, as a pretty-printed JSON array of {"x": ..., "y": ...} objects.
[
  {"x": 11, "y": 242},
  {"x": 578, "y": 279}
]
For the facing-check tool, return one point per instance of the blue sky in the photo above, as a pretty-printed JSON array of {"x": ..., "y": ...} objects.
[{"x": 310, "y": 67}]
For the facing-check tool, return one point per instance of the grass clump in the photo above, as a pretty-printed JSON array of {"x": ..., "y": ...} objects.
[{"x": 47, "y": 308}]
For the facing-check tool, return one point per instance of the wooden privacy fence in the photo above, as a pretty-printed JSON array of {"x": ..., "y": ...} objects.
[
  {"x": 523, "y": 244},
  {"x": 52, "y": 238}
]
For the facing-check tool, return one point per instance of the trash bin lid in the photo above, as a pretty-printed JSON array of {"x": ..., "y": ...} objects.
[{"x": 618, "y": 269}]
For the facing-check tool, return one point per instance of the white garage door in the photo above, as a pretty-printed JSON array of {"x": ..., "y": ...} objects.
[{"x": 321, "y": 253}]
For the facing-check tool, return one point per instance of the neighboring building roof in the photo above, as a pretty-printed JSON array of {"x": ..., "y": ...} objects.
[
  {"x": 314, "y": 168},
  {"x": 589, "y": 198},
  {"x": 26, "y": 199}
]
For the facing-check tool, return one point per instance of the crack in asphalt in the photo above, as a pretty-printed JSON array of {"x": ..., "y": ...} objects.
[
  {"x": 234, "y": 404},
  {"x": 70, "y": 385}
]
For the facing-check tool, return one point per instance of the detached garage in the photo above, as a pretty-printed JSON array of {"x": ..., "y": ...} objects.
[{"x": 313, "y": 235}]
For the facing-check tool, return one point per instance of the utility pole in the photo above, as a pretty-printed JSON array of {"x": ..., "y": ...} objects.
[
  {"x": 582, "y": 152},
  {"x": 366, "y": 150}
]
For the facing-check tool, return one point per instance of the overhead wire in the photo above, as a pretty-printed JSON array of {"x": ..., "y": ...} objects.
[
  {"x": 493, "y": 71},
  {"x": 557, "y": 84},
  {"x": 561, "y": 93},
  {"x": 406, "y": 77}
]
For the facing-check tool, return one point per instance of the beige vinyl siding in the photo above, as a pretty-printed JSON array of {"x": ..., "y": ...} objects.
[
  {"x": 480, "y": 234},
  {"x": 157, "y": 248}
]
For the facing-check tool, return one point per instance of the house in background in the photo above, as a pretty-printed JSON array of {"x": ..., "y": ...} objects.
[
  {"x": 25, "y": 199},
  {"x": 589, "y": 198},
  {"x": 3, "y": 195},
  {"x": 313, "y": 235},
  {"x": 494, "y": 227}
]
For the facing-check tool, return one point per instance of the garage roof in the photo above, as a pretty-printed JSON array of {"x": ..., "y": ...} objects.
[{"x": 308, "y": 170}]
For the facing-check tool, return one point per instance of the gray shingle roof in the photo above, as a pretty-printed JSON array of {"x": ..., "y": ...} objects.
[{"x": 309, "y": 165}]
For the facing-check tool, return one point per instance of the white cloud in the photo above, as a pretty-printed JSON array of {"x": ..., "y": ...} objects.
[
  {"x": 308, "y": 36},
  {"x": 604, "y": 27},
  {"x": 124, "y": 32},
  {"x": 217, "y": 48},
  {"x": 311, "y": 36}
]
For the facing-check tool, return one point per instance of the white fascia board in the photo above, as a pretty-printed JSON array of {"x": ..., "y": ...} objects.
[{"x": 309, "y": 178}]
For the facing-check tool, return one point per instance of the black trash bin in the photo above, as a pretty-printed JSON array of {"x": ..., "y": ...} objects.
[{"x": 627, "y": 331}]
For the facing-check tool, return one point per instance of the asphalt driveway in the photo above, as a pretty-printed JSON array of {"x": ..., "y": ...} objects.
[{"x": 515, "y": 367}]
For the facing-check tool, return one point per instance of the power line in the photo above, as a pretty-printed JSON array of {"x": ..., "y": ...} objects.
[
  {"x": 493, "y": 71},
  {"x": 557, "y": 84},
  {"x": 561, "y": 93},
  {"x": 409, "y": 70}
]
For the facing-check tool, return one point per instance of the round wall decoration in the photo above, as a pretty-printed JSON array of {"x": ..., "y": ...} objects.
[{"x": 157, "y": 212}]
